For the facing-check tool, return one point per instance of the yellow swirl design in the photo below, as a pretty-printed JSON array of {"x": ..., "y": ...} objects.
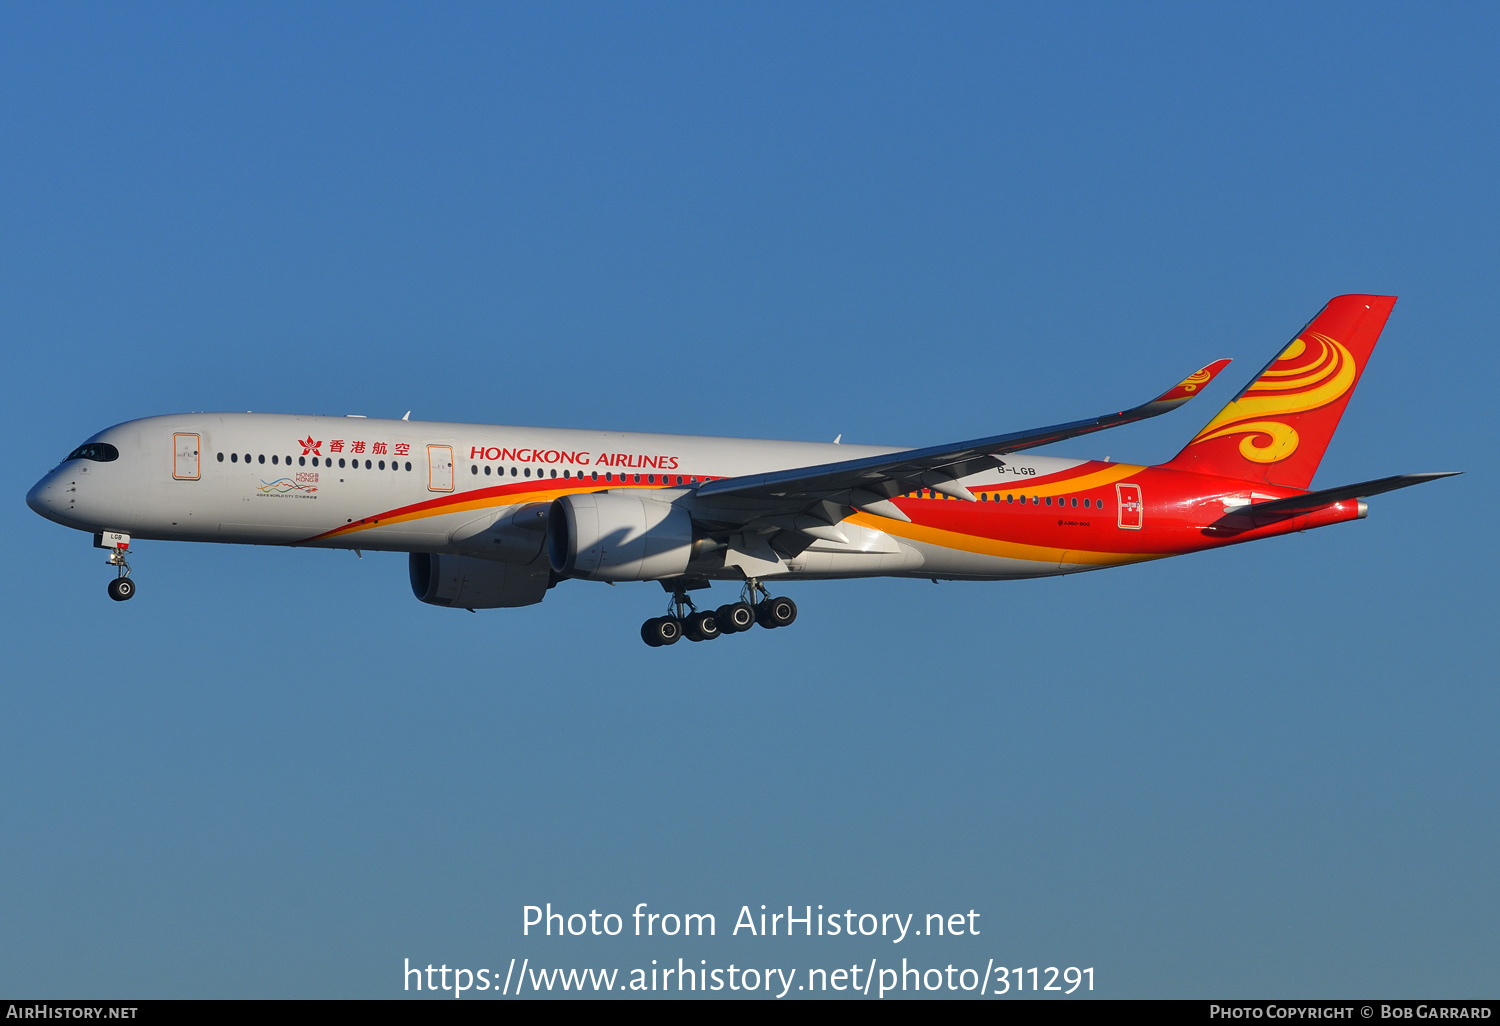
[
  {"x": 1282, "y": 440},
  {"x": 1304, "y": 377},
  {"x": 1192, "y": 381}
]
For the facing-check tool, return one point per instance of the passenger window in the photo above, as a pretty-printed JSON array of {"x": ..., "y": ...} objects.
[
  {"x": 221, "y": 457},
  {"x": 234, "y": 457},
  {"x": 1075, "y": 501},
  {"x": 637, "y": 479},
  {"x": 408, "y": 466},
  {"x": 554, "y": 471},
  {"x": 984, "y": 497},
  {"x": 274, "y": 459},
  {"x": 1010, "y": 498},
  {"x": 1035, "y": 500},
  {"x": 486, "y": 470},
  {"x": 382, "y": 467},
  {"x": 596, "y": 475},
  {"x": 1049, "y": 500},
  {"x": 651, "y": 478},
  {"x": 528, "y": 471},
  {"x": 262, "y": 458}
]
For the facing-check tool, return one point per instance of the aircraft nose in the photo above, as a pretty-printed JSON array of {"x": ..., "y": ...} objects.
[
  {"x": 40, "y": 496},
  {"x": 47, "y": 497}
]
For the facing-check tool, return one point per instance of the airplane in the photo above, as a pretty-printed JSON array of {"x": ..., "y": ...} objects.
[{"x": 494, "y": 517}]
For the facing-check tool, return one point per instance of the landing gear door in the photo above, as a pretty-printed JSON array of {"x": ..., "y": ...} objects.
[
  {"x": 1132, "y": 513},
  {"x": 440, "y": 468},
  {"x": 185, "y": 457}
]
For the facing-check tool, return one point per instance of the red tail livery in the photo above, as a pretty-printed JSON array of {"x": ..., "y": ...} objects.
[{"x": 1278, "y": 428}]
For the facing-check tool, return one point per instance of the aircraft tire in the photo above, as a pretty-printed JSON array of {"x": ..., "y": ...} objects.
[
  {"x": 121, "y": 588},
  {"x": 703, "y": 626},
  {"x": 736, "y": 617},
  {"x": 780, "y": 612},
  {"x": 666, "y": 630},
  {"x": 648, "y": 634},
  {"x": 763, "y": 614}
]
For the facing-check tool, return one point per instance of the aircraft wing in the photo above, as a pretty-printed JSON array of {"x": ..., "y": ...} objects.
[{"x": 870, "y": 482}]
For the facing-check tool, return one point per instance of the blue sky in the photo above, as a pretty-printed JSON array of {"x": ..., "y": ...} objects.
[{"x": 1267, "y": 771}]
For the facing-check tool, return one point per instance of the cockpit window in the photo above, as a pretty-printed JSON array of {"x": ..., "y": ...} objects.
[{"x": 99, "y": 452}]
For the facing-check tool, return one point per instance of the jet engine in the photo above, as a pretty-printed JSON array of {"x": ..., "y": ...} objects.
[
  {"x": 608, "y": 537},
  {"x": 469, "y": 583}
]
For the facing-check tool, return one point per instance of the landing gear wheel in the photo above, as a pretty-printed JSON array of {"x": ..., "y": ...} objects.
[
  {"x": 662, "y": 630},
  {"x": 775, "y": 612},
  {"x": 121, "y": 588},
  {"x": 702, "y": 626},
  {"x": 736, "y": 617}
]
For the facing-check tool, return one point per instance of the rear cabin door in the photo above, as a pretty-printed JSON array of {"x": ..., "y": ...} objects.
[
  {"x": 440, "y": 468},
  {"x": 1132, "y": 513},
  {"x": 185, "y": 457}
]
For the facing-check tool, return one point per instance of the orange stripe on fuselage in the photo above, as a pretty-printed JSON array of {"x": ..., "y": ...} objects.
[
  {"x": 1075, "y": 481},
  {"x": 483, "y": 498},
  {"x": 1058, "y": 484},
  {"x": 994, "y": 546}
]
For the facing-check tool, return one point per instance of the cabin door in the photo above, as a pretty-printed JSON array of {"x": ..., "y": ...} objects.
[
  {"x": 440, "y": 468},
  {"x": 1132, "y": 512},
  {"x": 185, "y": 457}
]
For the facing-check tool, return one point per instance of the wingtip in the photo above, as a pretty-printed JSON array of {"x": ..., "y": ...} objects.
[{"x": 1190, "y": 385}]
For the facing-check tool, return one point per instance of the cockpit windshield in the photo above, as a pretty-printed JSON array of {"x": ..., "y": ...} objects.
[{"x": 99, "y": 452}]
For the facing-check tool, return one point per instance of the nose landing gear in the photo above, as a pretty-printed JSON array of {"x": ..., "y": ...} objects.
[
  {"x": 122, "y": 587},
  {"x": 118, "y": 543},
  {"x": 685, "y": 620}
]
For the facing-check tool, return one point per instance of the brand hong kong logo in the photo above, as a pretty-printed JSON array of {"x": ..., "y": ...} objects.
[{"x": 310, "y": 447}]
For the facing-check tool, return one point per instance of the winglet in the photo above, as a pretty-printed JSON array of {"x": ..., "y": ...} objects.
[{"x": 1188, "y": 386}]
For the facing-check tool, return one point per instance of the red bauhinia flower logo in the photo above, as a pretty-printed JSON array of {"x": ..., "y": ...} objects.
[{"x": 309, "y": 447}]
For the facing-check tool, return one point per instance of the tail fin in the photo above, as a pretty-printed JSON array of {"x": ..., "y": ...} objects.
[{"x": 1278, "y": 428}]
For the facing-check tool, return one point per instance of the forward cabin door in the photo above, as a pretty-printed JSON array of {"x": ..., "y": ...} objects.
[
  {"x": 185, "y": 457},
  {"x": 440, "y": 468},
  {"x": 1132, "y": 512}
]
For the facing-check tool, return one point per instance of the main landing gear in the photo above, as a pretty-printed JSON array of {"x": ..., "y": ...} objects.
[
  {"x": 122, "y": 587},
  {"x": 685, "y": 620}
]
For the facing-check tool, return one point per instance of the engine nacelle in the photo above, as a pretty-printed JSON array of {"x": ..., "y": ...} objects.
[
  {"x": 608, "y": 537},
  {"x": 469, "y": 583}
]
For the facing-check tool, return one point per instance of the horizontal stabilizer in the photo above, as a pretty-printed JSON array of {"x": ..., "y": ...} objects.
[{"x": 1328, "y": 496}]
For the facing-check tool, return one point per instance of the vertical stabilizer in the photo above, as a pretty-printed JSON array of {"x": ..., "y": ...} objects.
[{"x": 1278, "y": 428}]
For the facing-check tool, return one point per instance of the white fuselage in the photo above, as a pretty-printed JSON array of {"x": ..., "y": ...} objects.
[{"x": 276, "y": 479}]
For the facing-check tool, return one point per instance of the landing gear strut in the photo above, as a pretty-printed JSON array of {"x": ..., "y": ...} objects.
[
  {"x": 122, "y": 587},
  {"x": 685, "y": 620}
]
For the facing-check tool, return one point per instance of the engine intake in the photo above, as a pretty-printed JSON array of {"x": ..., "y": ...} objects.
[{"x": 608, "y": 537}]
